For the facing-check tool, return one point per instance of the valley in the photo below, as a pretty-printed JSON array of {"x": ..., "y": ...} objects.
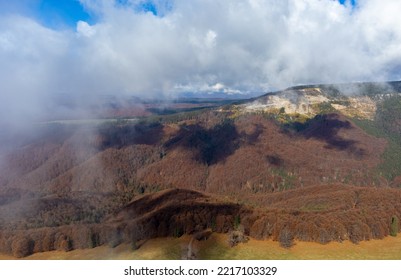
[{"x": 301, "y": 168}]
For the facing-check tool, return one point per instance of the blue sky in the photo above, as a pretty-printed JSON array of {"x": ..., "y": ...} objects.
[
  {"x": 51, "y": 13},
  {"x": 61, "y": 14},
  {"x": 353, "y": 2}
]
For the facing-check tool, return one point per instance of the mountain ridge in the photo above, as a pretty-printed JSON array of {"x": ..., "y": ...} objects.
[{"x": 277, "y": 168}]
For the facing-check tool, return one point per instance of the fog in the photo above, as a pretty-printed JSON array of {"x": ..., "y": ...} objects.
[
  {"x": 228, "y": 47},
  {"x": 231, "y": 47}
]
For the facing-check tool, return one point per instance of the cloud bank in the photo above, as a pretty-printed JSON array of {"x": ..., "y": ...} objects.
[{"x": 236, "y": 46}]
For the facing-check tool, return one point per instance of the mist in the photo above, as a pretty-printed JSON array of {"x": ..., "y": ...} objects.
[
  {"x": 231, "y": 47},
  {"x": 162, "y": 49}
]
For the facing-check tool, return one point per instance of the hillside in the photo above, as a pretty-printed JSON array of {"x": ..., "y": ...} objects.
[{"x": 315, "y": 163}]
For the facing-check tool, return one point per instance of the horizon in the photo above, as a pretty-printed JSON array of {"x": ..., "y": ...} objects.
[{"x": 79, "y": 50}]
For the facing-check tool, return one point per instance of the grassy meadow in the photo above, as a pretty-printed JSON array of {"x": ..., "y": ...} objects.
[{"x": 216, "y": 247}]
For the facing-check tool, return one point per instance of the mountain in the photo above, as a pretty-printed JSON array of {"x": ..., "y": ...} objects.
[
  {"x": 317, "y": 163},
  {"x": 352, "y": 100}
]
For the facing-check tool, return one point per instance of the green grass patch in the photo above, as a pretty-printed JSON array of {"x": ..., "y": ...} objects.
[
  {"x": 288, "y": 178},
  {"x": 314, "y": 207},
  {"x": 391, "y": 158}
]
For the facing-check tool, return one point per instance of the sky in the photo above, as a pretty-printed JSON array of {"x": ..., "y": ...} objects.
[{"x": 52, "y": 52}]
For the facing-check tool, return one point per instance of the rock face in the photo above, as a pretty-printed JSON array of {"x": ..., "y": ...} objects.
[
  {"x": 362, "y": 107},
  {"x": 290, "y": 101},
  {"x": 309, "y": 102}
]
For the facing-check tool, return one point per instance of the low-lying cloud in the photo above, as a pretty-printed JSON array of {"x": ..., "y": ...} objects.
[{"x": 234, "y": 46}]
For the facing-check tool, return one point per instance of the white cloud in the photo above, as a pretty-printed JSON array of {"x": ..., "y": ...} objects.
[
  {"x": 84, "y": 29},
  {"x": 218, "y": 87},
  {"x": 237, "y": 46},
  {"x": 210, "y": 39}
]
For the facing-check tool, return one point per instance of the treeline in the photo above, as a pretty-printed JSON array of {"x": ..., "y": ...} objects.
[{"x": 359, "y": 214}]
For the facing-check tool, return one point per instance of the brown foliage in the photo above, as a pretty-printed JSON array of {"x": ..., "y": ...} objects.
[
  {"x": 22, "y": 246},
  {"x": 73, "y": 189},
  {"x": 63, "y": 243},
  {"x": 286, "y": 238}
]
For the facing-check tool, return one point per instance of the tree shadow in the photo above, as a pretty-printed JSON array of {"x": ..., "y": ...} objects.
[
  {"x": 119, "y": 136},
  {"x": 275, "y": 160},
  {"x": 212, "y": 145},
  {"x": 326, "y": 128},
  {"x": 253, "y": 138}
]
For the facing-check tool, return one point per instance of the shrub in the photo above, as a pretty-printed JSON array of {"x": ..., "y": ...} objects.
[
  {"x": 394, "y": 226},
  {"x": 237, "y": 222},
  {"x": 134, "y": 245},
  {"x": 237, "y": 236},
  {"x": 286, "y": 238},
  {"x": 94, "y": 240},
  {"x": 178, "y": 232}
]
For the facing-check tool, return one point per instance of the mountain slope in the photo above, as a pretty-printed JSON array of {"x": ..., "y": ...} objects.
[{"x": 312, "y": 163}]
